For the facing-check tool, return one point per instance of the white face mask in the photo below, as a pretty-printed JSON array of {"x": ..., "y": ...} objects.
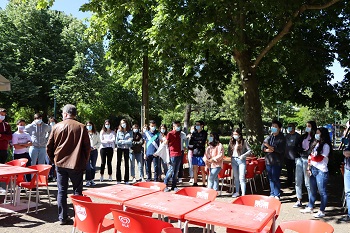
[
  {"x": 135, "y": 130},
  {"x": 318, "y": 136},
  {"x": 38, "y": 121},
  {"x": 21, "y": 128},
  {"x": 52, "y": 123},
  {"x": 108, "y": 126},
  {"x": 123, "y": 125},
  {"x": 236, "y": 137},
  {"x": 144, "y": 130},
  {"x": 2, "y": 118}
]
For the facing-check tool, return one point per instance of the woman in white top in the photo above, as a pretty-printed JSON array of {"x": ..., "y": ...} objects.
[
  {"x": 95, "y": 143},
  {"x": 162, "y": 138},
  {"x": 107, "y": 137},
  {"x": 238, "y": 149},
  {"x": 318, "y": 171}
]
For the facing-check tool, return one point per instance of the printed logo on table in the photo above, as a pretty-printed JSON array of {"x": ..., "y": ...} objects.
[
  {"x": 80, "y": 212},
  {"x": 155, "y": 187},
  {"x": 202, "y": 195},
  {"x": 261, "y": 204},
  {"x": 125, "y": 221}
]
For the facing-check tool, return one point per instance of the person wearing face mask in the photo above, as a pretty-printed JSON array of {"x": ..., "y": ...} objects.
[
  {"x": 39, "y": 131},
  {"x": 321, "y": 149},
  {"x": 135, "y": 153},
  {"x": 301, "y": 163},
  {"x": 21, "y": 142},
  {"x": 190, "y": 154},
  {"x": 52, "y": 177},
  {"x": 5, "y": 136},
  {"x": 95, "y": 143},
  {"x": 144, "y": 129},
  {"x": 162, "y": 139},
  {"x": 274, "y": 146},
  {"x": 174, "y": 139},
  {"x": 291, "y": 153},
  {"x": 124, "y": 142},
  {"x": 107, "y": 137},
  {"x": 197, "y": 145},
  {"x": 238, "y": 150},
  {"x": 151, "y": 145},
  {"x": 213, "y": 158}
]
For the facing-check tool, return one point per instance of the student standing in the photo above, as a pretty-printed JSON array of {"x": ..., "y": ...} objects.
[
  {"x": 135, "y": 153},
  {"x": 151, "y": 138},
  {"x": 346, "y": 218},
  {"x": 95, "y": 143},
  {"x": 5, "y": 136},
  {"x": 107, "y": 137},
  {"x": 124, "y": 142},
  {"x": 291, "y": 153}
]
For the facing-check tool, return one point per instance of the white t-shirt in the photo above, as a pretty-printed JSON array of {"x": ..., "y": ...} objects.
[
  {"x": 322, "y": 165},
  {"x": 20, "y": 138}
]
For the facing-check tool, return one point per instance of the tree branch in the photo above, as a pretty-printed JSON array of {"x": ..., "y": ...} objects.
[{"x": 288, "y": 26}]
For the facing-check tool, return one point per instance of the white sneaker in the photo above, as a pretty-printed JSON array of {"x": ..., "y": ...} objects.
[
  {"x": 191, "y": 181},
  {"x": 88, "y": 183},
  {"x": 143, "y": 180},
  {"x": 92, "y": 182},
  {"x": 101, "y": 178},
  {"x": 110, "y": 178},
  {"x": 133, "y": 180},
  {"x": 180, "y": 180},
  {"x": 319, "y": 214},
  {"x": 278, "y": 198},
  {"x": 235, "y": 195},
  {"x": 307, "y": 210}
]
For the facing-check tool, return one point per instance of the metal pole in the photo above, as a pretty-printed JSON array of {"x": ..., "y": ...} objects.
[{"x": 335, "y": 130}]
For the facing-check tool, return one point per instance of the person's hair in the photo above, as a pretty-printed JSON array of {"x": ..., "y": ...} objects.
[
  {"x": 152, "y": 122},
  {"x": 104, "y": 127},
  {"x": 325, "y": 139},
  {"x": 53, "y": 119},
  {"x": 200, "y": 122},
  {"x": 127, "y": 128},
  {"x": 166, "y": 129},
  {"x": 216, "y": 139},
  {"x": 313, "y": 130},
  {"x": 93, "y": 130},
  {"x": 176, "y": 123},
  {"x": 70, "y": 109},
  {"x": 277, "y": 123},
  {"x": 135, "y": 126},
  {"x": 233, "y": 141},
  {"x": 38, "y": 115},
  {"x": 20, "y": 120},
  {"x": 292, "y": 125},
  {"x": 145, "y": 125},
  {"x": 3, "y": 110}
]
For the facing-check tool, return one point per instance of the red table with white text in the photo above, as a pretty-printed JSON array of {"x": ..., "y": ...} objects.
[
  {"x": 168, "y": 204},
  {"x": 239, "y": 217},
  {"x": 119, "y": 193}
]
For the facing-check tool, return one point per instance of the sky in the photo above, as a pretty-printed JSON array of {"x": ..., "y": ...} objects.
[{"x": 72, "y": 7}]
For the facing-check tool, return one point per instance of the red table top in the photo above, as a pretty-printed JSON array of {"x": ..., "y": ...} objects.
[
  {"x": 169, "y": 204},
  {"x": 119, "y": 193},
  {"x": 239, "y": 217},
  {"x": 15, "y": 170}
]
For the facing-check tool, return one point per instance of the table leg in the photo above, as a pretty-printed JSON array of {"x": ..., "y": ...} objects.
[
  {"x": 186, "y": 227},
  {"x": 37, "y": 192},
  {"x": 14, "y": 192},
  {"x": 179, "y": 223}
]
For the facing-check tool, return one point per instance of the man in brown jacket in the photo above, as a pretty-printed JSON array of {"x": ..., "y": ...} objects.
[{"x": 68, "y": 148}]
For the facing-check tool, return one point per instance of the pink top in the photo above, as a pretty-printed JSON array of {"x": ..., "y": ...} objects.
[{"x": 216, "y": 154}]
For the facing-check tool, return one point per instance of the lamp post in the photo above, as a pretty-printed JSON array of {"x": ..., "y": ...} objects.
[
  {"x": 54, "y": 101},
  {"x": 278, "y": 109}
]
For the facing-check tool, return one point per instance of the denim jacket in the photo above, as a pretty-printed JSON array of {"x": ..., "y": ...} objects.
[{"x": 123, "y": 140}]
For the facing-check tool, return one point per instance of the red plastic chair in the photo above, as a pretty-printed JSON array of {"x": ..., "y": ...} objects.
[
  {"x": 43, "y": 175},
  {"x": 90, "y": 216},
  {"x": 7, "y": 179},
  {"x": 259, "y": 201},
  {"x": 260, "y": 169},
  {"x": 171, "y": 230},
  {"x": 152, "y": 185},
  {"x": 224, "y": 174},
  {"x": 250, "y": 174},
  {"x": 305, "y": 226},
  {"x": 126, "y": 222}
]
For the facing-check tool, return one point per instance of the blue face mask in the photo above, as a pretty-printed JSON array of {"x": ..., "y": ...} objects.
[
  {"x": 274, "y": 130},
  {"x": 135, "y": 130},
  {"x": 290, "y": 129},
  {"x": 153, "y": 128},
  {"x": 162, "y": 130},
  {"x": 89, "y": 127},
  {"x": 178, "y": 128},
  {"x": 211, "y": 139},
  {"x": 308, "y": 129},
  {"x": 318, "y": 137},
  {"x": 198, "y": 127},
  {"x": 108, "y": 126}
]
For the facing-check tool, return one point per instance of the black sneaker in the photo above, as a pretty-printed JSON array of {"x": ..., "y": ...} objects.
[
  {"x": 345, "y": 218},
  {"x": 67, "y": 221},
  {"x": 195, "y": 185}
]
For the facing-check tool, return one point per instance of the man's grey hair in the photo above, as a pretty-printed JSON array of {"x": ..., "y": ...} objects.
[{"x": 70, "y": 109}]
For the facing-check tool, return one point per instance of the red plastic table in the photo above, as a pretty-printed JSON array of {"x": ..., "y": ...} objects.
[
  {"x": 168, "y": 204},
  {"x": 119, "y": 193},
  {"x": 239, "y": 217}
]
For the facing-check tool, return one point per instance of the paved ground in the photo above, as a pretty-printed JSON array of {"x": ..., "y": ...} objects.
[{"x": 46, "y": 218}]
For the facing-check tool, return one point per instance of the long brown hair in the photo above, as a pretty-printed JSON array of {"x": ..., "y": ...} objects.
[
  {"x": 240, "y": 141},
  {"x": 127, "y": 128}
]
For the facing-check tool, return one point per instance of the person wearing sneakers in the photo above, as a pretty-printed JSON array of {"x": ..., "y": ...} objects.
[
  {"x": 190, "y": 154},
  {"x": 213, "y": 158},
  {"x": 197, "y": 145},
  {"x": 301, "y": 164},
  {"x": 173, "y": 139},
  {"x": 318, "y": 171},
  {"x": 238, "y": 150},
  {"x": 274, "y": 146},
  {"x": 95, "y": 143},
  {"x": 151, "y": 145},
  {"x": 346, "y": 218},
  {"x": 107, "y": 137},
  {"x": 124, "y": 142},
  {"x": 136, "y": 153}
]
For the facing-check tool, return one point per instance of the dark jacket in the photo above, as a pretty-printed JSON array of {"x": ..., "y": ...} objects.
[
  {"x": 137, "y": 143},
  {"x": 69, "y": 145},
  {"x": 197, "y": 143},
  {"x": 292, "y": 141},
  {"x": 6, "y": 135},
  {"x": 301, "y": 152},
  {"x": 278, "y": 142}
]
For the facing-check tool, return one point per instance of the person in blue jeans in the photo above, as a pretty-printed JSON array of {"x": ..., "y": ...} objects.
[
  {"x": 95, "y": 143},
  {"x": 135, "y": 153},
  {"x": 151, "y": 138},
  {"x": 318, "y": 171},
  {"x": 274, "y": 146},
  {"x": 213, "y": 158},
  {"x": 346, "y": 153}
]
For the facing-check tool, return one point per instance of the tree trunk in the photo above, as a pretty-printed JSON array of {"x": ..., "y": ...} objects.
[
  {"x": 187, "y": 118},
  {"x": 145, "y": 99}
]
